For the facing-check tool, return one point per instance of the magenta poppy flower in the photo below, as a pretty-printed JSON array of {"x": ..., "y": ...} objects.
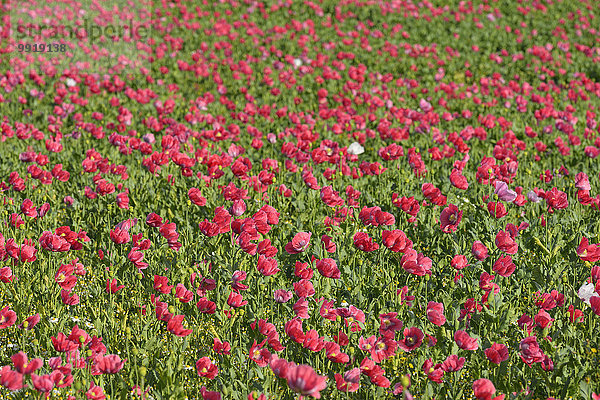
[
  {"x": 299, "y": 243},
  {"x": 282, "y": 295},
  {"x": 504, "y": 193}
]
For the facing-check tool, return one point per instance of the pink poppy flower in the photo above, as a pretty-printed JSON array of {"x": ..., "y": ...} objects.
[
  {"x": 484, "y": 389},
  {"x": 504, "y": 193},
  {"x": 206, "y": 368},
  {"x": 464, "y": 341},
  {"x": 304, "y": 380},
  {"x": 479, "y": 250},
  {"x": 435, "y": 313},
  {"x": 299, "y": 243}
]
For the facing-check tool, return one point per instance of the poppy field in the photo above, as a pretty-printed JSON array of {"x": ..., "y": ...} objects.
[{"x": 299, "y": 199}]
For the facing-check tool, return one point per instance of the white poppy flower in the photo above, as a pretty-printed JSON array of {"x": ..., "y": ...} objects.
[
  {"x": 586, "y": 292},
  {"x": 356, "y": 149}
]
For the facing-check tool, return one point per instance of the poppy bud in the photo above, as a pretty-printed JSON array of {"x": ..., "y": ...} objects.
[
  {"x": 139, "y": 276},
  {"x": 135, "y": 351},
  {"x": 172, "y": 309},
  {"x": 405, "y": 381},
  {"x": 88, "y": 353},
  {"x": 143, "y": 371}
]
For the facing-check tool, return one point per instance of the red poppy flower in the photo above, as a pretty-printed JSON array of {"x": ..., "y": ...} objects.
[
  {"x": 206, "y": 306},
  {"x": 206, "y": 368},
  {"x": 12, "y": 380},
  {"x": 344, "y": 385},
  {"x": 161, "y": 284},
  {"x": 496, "y": 209},
  {"x": 154, "y": 220},
  {"x": 530, "y": 351},
  {"x": 119, "y": 236},
  {"x": 396, "y": 240},
  {"x": 497, "y": 353},
  {"x": 260, "y": 355},
  {"x": 389, "y": 324},
  {"x": 435, "y": 373},
  {"x": 196, "y": 197},
  {"x": 293, "y": 328},
  {"x": 279, "y": 366},
  {"x": 236, "y": 300},
  {"x": 7, "y": 317},
  {"x": 459, "y": 262},
  {"x": 506, "y": 243},
  {"x": 221, "y": 347},
  {"x": 416, "y": 264},
  {"x": 328, "y": 243},
  {"x": 413, "y": 338},
  {"x": 504, "y": 266},
  {"x": 556, "y": 200},
  {"x": 334, "y": 353},
  {"x": 363, "y": 242},
  {"x": 267, "y": 266},
  {"x": 453, "y": 363},
  {"x": 384, "y": 348},
  {"x": 450, "y": 218},
  {"x": 301, "y": 308},
  {"x": 312, "y": 341},
  {"x": 23, "y": 366},
  {"x": 304, "y": 288}
]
